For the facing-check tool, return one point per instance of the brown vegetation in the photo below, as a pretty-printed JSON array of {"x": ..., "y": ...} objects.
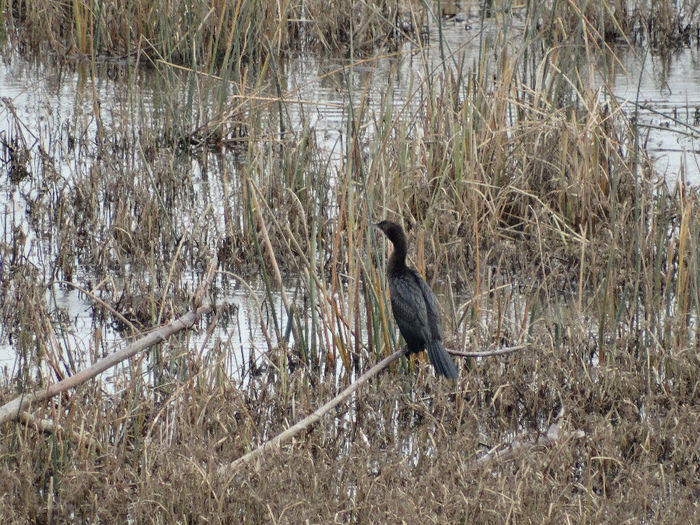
[{"x": 530, "y": 206}]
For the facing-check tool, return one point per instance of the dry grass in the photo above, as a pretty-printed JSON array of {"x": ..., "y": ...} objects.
[
  {"x": 530, "y": 207},
  {"x": 207, "y": 34},
  {"x": 406, "y": 450}
]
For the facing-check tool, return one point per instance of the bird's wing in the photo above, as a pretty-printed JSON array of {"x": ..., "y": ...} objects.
[
  {"x": 410, "y": 311},
  {"x": 432, "y": 309}
]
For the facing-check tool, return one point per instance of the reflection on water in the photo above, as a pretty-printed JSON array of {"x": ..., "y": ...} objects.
[
  {"x": 53, "y": 110},
  {"x": 82, "y": 337},
  {"x": 664, "y": 89}
]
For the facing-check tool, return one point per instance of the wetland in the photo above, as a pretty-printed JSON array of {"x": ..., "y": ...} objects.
[{"x": 542, "y": 160}]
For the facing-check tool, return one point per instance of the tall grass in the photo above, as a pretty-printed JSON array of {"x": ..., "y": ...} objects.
[
  {"x": 531, "y": 209},
  {"x": 205, "y": 34}
]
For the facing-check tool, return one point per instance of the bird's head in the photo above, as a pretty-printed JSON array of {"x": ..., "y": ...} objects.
[{"x": 392, "y": 230}]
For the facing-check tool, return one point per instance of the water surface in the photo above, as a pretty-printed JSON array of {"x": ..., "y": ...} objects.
[{"x": 52, "y": 109}]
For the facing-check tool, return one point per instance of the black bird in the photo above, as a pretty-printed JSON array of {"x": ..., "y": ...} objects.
[{"x": 414, "y": 305}]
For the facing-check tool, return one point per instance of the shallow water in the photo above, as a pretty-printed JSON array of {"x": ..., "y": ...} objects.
[
  {"x": 666, "y": 92},
  {"x": 53, "y": 109}
]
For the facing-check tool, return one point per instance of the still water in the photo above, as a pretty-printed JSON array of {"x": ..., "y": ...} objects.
[{"x": 47, "y": 104}]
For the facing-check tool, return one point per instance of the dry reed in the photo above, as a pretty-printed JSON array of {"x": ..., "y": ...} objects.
[{"x": 530, "y": 205}]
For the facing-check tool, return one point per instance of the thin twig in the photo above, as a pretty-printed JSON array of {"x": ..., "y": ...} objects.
[
  {"x": 490, "y": 353},
  {"x": 229, "y": 469},
  {"x": 554, "y": 433}
]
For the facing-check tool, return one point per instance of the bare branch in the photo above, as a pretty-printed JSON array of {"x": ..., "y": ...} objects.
[
  {"x": 229, "y": 469},
  {"x": 49, "y": 427},
  {"x": 12, "y": 409},
  {"x": 488, "y": 353}
]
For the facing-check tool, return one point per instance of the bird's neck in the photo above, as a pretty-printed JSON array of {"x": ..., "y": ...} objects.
[{"x": 397, "y": 260}]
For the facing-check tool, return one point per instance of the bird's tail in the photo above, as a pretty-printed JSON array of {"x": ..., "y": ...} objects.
[{"x": 441, "y": 360}]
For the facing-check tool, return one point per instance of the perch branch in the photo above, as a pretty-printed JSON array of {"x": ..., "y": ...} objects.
[
  {"x": 488, "y": 353},
  {"x": 229, "y": 469}
]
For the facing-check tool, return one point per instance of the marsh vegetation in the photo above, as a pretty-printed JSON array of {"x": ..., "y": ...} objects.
[{"x": 532, "y": 206}]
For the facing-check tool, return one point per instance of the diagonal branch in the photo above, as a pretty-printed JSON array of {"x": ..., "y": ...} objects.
[
  {"x": 229, "y": 469},
  {"x": 13, "y": 408}
]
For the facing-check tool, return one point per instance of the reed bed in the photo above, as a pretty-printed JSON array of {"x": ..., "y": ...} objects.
[
  {"x": 217, "y": 33},
  {"x": 531, "y": 208},
  {"x": 208, "y": 34}
]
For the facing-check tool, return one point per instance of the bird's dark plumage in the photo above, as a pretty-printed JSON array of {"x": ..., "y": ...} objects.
[{"x": 414, "y": 305}]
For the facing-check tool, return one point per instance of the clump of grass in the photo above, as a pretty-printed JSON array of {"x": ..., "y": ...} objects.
[
  {"x": 208, "y": 34},
  {"x": 606, "y": 21},
  {"x": 666, "y": 25}
]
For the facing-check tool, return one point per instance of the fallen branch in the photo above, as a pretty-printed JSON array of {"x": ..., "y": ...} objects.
[
  {"x": 229, "y": 469},
  {"x": 488, "y": 353},
  {"x": 13, "y": 409}
]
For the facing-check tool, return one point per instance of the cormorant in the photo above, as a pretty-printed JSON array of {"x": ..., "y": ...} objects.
[{"x": 414, "y": 305}]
